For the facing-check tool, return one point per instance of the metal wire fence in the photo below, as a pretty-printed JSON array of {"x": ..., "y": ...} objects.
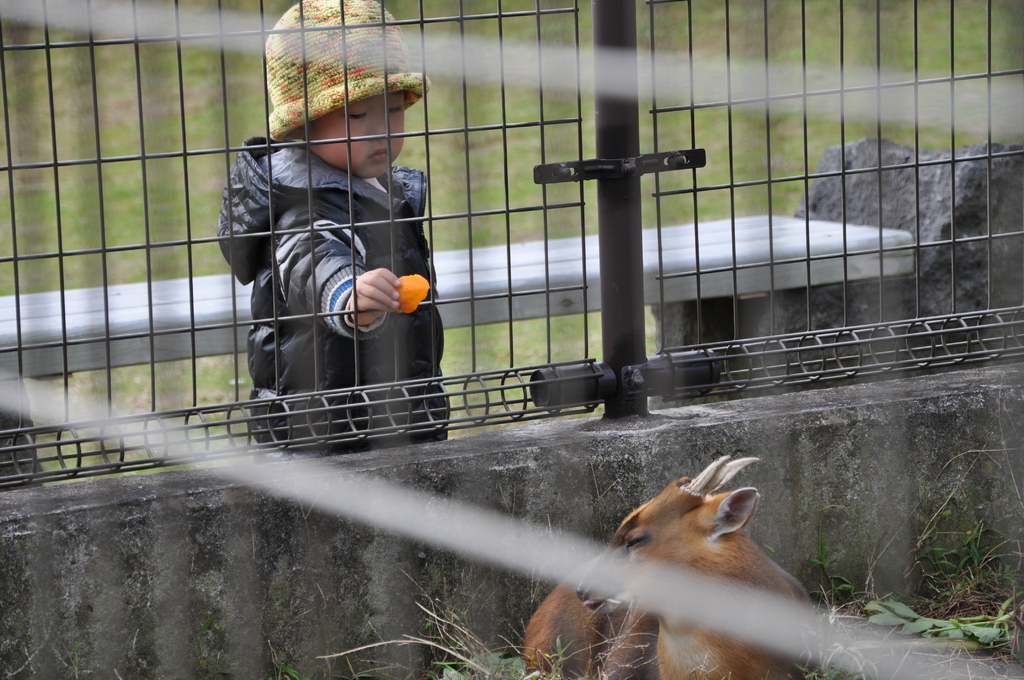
[{"x": 786, "y": 193}]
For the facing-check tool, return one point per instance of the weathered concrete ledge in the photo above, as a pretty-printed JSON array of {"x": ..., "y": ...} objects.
[{"x": 187, "y": 574}]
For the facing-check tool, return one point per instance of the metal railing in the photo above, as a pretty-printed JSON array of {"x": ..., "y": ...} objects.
[{"x": 350, "y": 417}]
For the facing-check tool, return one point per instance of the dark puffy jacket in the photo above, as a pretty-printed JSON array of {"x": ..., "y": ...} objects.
[{"x": 267, "y": 237}]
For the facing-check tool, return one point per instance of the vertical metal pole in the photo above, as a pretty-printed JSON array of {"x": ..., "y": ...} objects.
[{"x": 616, "y": 117}]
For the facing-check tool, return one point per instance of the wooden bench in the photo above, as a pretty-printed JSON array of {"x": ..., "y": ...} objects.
[{"x": 161, "y": 321}]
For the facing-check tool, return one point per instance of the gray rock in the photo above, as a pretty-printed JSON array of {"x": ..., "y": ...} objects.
[
  {"x": 967, "y": 216},
  {"x": 968, "y": 223}
]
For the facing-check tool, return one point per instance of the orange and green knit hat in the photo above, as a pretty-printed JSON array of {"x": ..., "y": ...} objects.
[{"x": 348, "y": 45}]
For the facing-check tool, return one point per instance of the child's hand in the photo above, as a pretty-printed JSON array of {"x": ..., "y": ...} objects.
[{"x": 376, "y": 292}]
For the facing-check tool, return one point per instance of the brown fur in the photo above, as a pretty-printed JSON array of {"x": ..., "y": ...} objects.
[
  {"x": 619, "y": 645},
  {"x": 614, "y": 641}
]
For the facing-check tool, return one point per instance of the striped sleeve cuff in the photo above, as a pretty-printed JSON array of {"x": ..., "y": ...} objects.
[
  {"x": 337, "y": 306},
  {"x": 335, "y": 301}
]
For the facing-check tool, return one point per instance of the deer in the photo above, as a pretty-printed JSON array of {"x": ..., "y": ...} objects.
[{"x": 688, "y": 525}]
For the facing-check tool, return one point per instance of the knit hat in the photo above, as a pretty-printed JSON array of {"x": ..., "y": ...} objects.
[{"x": 341, "y": 65}]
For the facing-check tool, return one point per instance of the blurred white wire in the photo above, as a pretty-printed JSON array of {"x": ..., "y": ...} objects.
[{"x": 979, "y": 104}]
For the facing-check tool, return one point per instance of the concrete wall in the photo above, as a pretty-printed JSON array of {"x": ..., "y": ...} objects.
[{"x": 186, "y": 574}]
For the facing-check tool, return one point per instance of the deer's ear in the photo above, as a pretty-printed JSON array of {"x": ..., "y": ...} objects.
[{"x": 735, "y": 511}]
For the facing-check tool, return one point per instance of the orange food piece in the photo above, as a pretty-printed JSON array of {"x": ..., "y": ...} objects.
[{"x": 412, "y": 292}]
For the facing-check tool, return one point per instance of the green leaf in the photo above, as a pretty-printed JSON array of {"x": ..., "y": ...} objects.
[
  {"x": 921, "y": 625},
  {"x": 515, "y": 663},
  {"x": 887, "y": 619},
  {"x": 900, "y": 609},
  {"x": 886, "y": 615},
  {"x": 984, "y": 634},
  {"x": 208, "y": 623}
]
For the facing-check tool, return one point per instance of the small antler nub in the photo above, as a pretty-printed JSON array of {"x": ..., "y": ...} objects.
[{"x": 716, "y": 475}]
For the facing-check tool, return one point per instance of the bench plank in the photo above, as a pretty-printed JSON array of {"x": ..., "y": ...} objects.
[
  {"x": 559, "y": 268},
  {"x": 546, "y": 279},
  {"x": 84, "y": 325}
]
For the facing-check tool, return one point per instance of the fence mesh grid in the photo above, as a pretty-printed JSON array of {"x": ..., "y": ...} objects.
[{"x": 869, "y": 149}]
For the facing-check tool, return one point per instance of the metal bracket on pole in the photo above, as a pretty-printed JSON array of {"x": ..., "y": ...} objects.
[{"x": 617, "y": 168}]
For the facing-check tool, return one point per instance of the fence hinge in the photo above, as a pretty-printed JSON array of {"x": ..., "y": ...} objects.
[
  {"x": 673, "y": 375},
  {"x": 617, "y": 168}
]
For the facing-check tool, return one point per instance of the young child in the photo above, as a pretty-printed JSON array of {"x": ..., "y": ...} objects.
[{"x": 323, "y": 225}]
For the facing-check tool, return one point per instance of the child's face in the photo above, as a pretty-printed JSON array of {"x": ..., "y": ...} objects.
[{"x": 375, "y": 116}]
